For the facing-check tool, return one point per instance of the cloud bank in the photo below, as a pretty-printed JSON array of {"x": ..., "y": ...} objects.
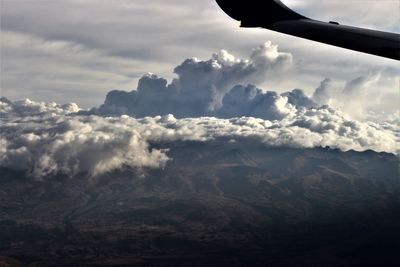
[{"x": 48, "y": 139}]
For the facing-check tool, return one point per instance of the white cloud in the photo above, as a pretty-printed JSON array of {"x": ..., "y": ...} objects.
[
  {"x": 29, "y": 108},
  {"x": 52, "y": 139},
  {"x": 201, "y": 85},
  {"x": 222, "y": 87},
  {"x": 361, "y": 97}
]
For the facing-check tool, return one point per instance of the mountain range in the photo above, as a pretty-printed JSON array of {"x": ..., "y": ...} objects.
[{"x": 216, "y": 203}]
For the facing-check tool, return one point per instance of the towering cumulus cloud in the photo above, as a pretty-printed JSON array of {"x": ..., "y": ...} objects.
[
  {"x": 210, "y": 100},
  {"x": 201, "y": 86},
  {"x": 225, "y": 86}
]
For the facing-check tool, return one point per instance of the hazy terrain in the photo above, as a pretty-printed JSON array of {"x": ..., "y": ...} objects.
[{"x": 220, "y": 203}]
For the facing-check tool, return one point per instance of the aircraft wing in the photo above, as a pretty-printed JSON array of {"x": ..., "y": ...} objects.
[{"x": 274, "y": 15}]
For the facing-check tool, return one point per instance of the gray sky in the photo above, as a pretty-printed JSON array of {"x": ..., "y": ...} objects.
[{"x": 78, "y": 50}]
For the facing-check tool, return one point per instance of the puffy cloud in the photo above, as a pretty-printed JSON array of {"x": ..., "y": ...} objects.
[
  {"x": 251, "y": 101},
  {"x": 298, "y": 98},
  {"x": 55, "y": 140},
  {"x": 201, "y": 86},
  {"x": 356, "y": 87},
  {"x": 223, "y": 87},
  {"x": 323, "y": 93},
  {"x": 45, "y": 139},
  {"x": 27, "y": 108},
  {"x": 359, "y": 97}
]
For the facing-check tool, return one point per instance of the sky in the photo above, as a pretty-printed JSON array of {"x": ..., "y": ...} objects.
[{"x": 78, "y": 50}]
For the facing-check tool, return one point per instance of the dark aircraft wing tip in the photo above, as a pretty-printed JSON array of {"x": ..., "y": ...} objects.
[{"x": 248, "y": 12}]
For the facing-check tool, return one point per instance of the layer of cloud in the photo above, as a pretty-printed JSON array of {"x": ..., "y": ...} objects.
[{"x": 47, "y": 139}]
